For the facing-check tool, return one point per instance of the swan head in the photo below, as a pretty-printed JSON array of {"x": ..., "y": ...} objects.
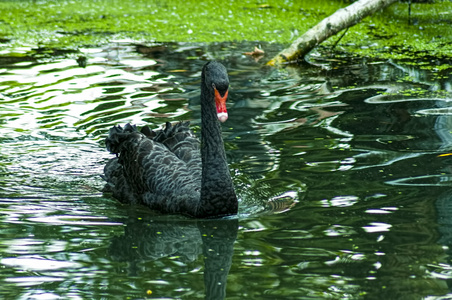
[{"x": 216, "y": 80}]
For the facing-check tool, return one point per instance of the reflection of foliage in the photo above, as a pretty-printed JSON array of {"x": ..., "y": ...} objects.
[
  {"x": 3, "y": 169},
  {"x": 366, "y": 170}
]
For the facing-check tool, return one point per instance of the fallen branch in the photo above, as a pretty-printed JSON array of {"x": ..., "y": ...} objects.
[{"x": 341, "y": 19}]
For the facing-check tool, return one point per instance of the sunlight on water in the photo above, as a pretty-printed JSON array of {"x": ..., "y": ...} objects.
[{"x": 37, "y": 264}]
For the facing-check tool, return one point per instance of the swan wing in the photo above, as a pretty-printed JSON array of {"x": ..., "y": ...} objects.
[
  {"x": 181, "y": 141},
  {"x": 150, "y": 173}
]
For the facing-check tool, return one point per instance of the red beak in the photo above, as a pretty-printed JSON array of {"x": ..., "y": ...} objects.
[{"x": 220, "y": 103}]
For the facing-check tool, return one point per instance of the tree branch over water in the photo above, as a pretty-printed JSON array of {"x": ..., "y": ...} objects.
[{"x": 341, "y": 19}]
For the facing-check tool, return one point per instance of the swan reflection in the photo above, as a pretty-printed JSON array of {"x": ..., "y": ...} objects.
[{"x": 187, "y": 239}]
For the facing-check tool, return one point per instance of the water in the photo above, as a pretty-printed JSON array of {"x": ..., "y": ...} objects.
[{"x": 342, "y": 169}]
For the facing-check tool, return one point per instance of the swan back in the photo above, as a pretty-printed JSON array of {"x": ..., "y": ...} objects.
[{"x": 160, "y": 169}]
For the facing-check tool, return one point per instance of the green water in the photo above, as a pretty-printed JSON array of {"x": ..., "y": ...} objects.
[
  {"x": 343, "y": 178},
  {"x": 342, "y": 166}
]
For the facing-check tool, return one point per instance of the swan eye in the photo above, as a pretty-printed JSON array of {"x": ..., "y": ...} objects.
[{"x": 214, "y": 87}]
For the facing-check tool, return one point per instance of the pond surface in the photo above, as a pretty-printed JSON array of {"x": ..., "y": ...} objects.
[{"x": 343, "y": 172}]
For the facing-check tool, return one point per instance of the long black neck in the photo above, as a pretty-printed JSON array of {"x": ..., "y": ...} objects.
[{"x": 217, "y": 191}]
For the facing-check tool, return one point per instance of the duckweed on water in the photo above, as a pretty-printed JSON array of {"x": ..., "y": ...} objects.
[
  {"x": 92, "y": 22},
  {"x": 76, "y": 23},
  {"x": 392, "y": 34}
]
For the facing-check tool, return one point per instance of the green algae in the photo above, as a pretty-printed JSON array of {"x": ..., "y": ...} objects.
[
  {"x": 425, "y": 36},
  {"x": 78, "y": 23},
  {"x": 94, "y": 22}
]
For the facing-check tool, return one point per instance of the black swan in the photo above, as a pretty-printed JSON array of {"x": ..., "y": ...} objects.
[{"x": 166, "y": 171}]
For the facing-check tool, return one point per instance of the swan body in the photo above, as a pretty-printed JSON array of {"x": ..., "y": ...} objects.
[{"x": 170, "y": 170}]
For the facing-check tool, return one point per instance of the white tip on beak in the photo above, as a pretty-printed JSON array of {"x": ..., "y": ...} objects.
[{"x": 222, "y": 117}]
